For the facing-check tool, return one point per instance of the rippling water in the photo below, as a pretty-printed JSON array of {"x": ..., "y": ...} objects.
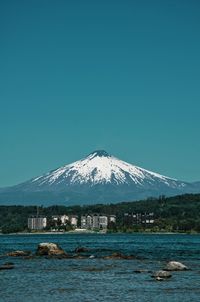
[{"x": 89, "y": 280}]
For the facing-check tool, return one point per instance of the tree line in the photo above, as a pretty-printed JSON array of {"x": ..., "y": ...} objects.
[{"x": 172, "y": 214}]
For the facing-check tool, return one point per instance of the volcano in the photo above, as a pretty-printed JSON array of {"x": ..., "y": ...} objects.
[{"x": 97, "y": 178}]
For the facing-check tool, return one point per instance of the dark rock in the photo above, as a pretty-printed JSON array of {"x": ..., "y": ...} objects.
[
  {"x": 30, "y": 257},
  {"x": 18, "y": 253},
  {"x": 139, "y": 271},
  {"x": 119, "y": 256},
  {"x": 59, "y": 257},
  {"x": 7, "y": 265},
  {"x": 175, "y": 266},
  {"x": 79, "y": 257},
  {"x": 50, "y": 249},
  {"x": 81, "y": 250},
  {"x": 159, "y": 279}
]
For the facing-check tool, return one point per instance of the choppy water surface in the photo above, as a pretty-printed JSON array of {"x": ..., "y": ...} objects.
[{"x": 87, "y": 280}]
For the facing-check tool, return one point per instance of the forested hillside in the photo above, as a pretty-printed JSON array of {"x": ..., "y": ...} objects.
[{"x": 179, "y": 213}]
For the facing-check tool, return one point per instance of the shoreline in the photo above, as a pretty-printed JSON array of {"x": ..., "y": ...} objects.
[{"x": 84, "y": 232}]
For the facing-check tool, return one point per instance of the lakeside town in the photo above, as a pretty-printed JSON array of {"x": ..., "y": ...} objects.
[
  {"x": 93, "y": 222},
  {"x": 164, "y": 214}
]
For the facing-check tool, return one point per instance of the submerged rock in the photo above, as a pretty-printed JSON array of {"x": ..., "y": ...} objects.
[
  {"x": 50, "y": 249},
  {"x": 30, "y": 257},
  {"x": 139, "y": 271},
  {"x": 78, "y": 256},
  {"x": 119, "y": 256},
  {"x": 7, "y": 265},
  {"x": 159, "y": 279},
  {"x": 81, "y": 250},
  {"x": 161, "y": 275},
  {"x": 175, "y": 266},
  {"x": 18, "y": 253}
]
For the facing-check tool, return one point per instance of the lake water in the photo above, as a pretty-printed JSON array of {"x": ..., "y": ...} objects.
[{"x": 88, "y": 280}]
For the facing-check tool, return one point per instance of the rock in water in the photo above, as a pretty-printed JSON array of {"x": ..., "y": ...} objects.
[
  {"x": 81, "y": 249},
  {"x": 159, "y": 279},
  {"x": 91, "y": 257},
  {"x": 139, "y": 271},
  {"x": 7, "y": 265},
  {"x": 160, "y": 275},
  {"x": 175, "y": 266},
  {"x": 18, "y": 253},
  {"x": 119, "y": 256},
  {"x": 50, "y": 249}
]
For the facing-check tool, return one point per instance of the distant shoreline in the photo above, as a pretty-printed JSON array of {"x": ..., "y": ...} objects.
[
  {"x": 178, "y": 214},
  {"x": 55, "y": 233},
  {"x": 100, "y": 233}
]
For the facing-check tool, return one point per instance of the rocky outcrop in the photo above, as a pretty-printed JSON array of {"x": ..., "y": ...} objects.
[
  {"x": 166, "y": 272},
  {"x": 161, "y": 275},
  {"x": 50, "y": 249},
  {"x": 175, "y": 266},
  {"x": 18, "y": 253}
]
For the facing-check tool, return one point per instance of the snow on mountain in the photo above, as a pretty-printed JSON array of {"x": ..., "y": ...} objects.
[
  {"x": 97, "y": 178},
  {"x": 100, "y": 168}
]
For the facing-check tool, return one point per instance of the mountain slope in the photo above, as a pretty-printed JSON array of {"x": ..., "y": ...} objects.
[{"x": 97, "y": 178}]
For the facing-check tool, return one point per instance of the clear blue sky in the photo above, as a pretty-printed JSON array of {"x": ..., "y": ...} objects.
[{"x": 76, "y": 76}]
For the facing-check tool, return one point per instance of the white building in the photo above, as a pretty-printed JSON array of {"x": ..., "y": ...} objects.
[
  {"x": 103, "y": 222},
  {"x": 64, "y": 219},
  {"x": 37, "y": 223},
  {"x": 73, "y": 220},
  {"x": 96, "y": 221}
]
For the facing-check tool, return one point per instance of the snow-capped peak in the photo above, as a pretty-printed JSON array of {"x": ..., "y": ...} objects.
[
  {"x": 99, "y": 153},
  {"x": 99, "y": 167},
  {"x": 97, "y": 178}
]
